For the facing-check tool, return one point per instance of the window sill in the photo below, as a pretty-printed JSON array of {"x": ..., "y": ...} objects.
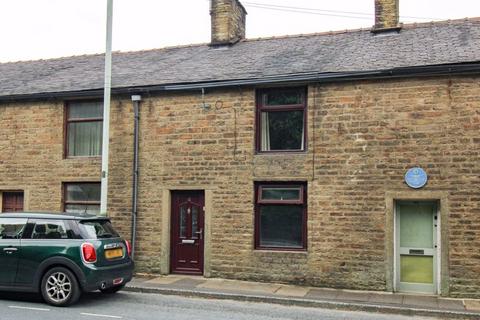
[
  {"x": 280, "y": 251},
  {"x": 280, "y": 153},
  {"x": 83, "y": 158}
]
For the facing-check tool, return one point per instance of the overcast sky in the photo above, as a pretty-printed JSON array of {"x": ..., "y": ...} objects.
[{"x": 40, "y": 29}]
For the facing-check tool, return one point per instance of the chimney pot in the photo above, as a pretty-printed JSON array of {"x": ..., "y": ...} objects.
[{"x": 228, "y": 22}]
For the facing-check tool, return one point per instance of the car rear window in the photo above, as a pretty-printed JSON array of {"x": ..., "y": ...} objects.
[{"x": 97, "y": 229}]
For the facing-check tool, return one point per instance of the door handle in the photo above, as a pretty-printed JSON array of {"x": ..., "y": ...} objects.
[
  {"x": 10, "y": 249},
  {"x": 200, "y": 233}
]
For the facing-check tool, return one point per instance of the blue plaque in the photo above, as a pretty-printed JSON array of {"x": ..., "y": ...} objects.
[{"x": 416, "y": 178}]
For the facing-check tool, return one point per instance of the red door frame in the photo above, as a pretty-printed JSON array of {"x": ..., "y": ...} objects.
[
  {"x": 12, "y": 201},
  {"x": 187, "y": 249}
]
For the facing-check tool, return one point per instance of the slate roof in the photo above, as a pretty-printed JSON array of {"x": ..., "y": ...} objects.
[{"x": 435, "y": 43}]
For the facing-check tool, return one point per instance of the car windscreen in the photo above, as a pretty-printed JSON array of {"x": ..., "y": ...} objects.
[{"x": 97, "y": 229}]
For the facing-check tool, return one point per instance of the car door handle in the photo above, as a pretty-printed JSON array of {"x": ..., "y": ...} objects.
[{"x": 10, "y": 249}]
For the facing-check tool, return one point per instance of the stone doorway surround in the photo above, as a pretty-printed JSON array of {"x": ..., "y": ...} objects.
[
  {"x": 417, "y": 195},
  {"x": 166, "y": 226}
]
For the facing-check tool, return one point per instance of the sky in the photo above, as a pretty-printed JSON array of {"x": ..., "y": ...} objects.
[{"x": 42, "y": 29}]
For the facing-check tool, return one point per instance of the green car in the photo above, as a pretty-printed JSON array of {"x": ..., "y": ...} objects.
[{"x": 62, "y": 255}]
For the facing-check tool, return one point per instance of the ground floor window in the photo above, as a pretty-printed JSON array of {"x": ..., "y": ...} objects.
[
  {"x": 280, "y": 216},
  {"x": 12, "y": 201},
  {"x": 82, "y": 197}
]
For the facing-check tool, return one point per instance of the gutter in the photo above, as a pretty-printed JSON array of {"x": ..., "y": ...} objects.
[{"x": 328, "y": 77}]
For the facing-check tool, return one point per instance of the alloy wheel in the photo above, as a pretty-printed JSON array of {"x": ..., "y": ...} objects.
[{"x": 58, "y": 287}]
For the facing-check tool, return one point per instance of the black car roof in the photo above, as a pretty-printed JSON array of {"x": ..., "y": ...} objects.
[{"x": 50, "y": 215}]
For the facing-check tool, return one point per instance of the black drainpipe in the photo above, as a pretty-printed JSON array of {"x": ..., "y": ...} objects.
[{"x": 136, "y": 103}]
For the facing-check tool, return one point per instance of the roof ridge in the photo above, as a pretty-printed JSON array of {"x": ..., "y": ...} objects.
[
  {"x": 302, "y": 35},
  {"x": 102, "y": 53},
  {"x": 335, "y": 32},
  {"x": 180, "y": 46},
  {"x": 55, "y": 58},
  {"x": 439, "y": 22}
]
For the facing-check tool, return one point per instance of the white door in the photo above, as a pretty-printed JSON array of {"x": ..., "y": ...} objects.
[{"x": 416, "y": 247}]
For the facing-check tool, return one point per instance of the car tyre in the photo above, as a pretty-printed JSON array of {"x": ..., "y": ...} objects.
[
  {"x": 112, "y": 290},
  {"x": 60, "y": 287}
]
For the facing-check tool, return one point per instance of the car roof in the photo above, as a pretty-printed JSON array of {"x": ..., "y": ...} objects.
[{"x": 51, "y": 215}]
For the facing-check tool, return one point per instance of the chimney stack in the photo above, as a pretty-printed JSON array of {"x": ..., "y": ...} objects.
[
  {"x": 228, "y": 22},
  {"x": 386, "y": 15}
]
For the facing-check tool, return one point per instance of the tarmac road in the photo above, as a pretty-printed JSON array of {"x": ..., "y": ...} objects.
[{"x": 139, "y": 306}]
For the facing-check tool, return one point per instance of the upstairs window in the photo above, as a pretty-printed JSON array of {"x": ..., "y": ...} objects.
[
  {"x": 82, "y": 197},
  {"x": 84, "y": 129},
  {"x": 281, "y": 120}
]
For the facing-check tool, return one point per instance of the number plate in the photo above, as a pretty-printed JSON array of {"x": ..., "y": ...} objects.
[{"x": 114, "y": 253}]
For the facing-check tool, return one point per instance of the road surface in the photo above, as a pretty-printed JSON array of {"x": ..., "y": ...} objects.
[{"x": 141, "y": 306}]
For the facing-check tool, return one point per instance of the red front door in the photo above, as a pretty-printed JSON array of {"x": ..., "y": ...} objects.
[
  {"x": 12, "y": 201},
  {"x": 187, "y": 232}
]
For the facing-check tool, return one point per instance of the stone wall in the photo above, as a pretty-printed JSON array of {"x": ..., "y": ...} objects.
[
  {"x": 32, "y": 154},
  {"x": 33, "y": 160},
  {"x": 362, "y": 137}
]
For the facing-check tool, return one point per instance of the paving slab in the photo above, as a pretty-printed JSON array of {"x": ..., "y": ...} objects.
[
  {"x": 322, "y": 294},
  {"x": 420, "y": 301},
  {"x": 386, "y": 298},
  {"x": 243, "y": 286},
  {"x": 472, "y": 305},
  {"x": 163, "y": 280},
  {"x": 137, "y": 282},
  {"x": 353, "y": 296},
  {"x": 188, "y": 283},
  {"x": 451, "y": 304},
  {"x": 142, "y": 279},
  {"x": 292, "y": 291}
]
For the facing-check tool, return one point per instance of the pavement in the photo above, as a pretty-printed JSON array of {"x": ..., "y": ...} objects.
[{"x": 348, "y": 300}]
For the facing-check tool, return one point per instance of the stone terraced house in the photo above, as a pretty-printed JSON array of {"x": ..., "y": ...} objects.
[{"x": 342, "y": 159}]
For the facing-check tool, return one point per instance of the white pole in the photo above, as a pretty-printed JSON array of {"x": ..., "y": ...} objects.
[{"x": 106, "y": 110}]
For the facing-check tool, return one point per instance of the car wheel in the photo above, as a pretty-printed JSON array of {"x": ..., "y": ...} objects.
[
  {"x": 60, "y": 287},
  {"x": 112, "y": 290}
]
